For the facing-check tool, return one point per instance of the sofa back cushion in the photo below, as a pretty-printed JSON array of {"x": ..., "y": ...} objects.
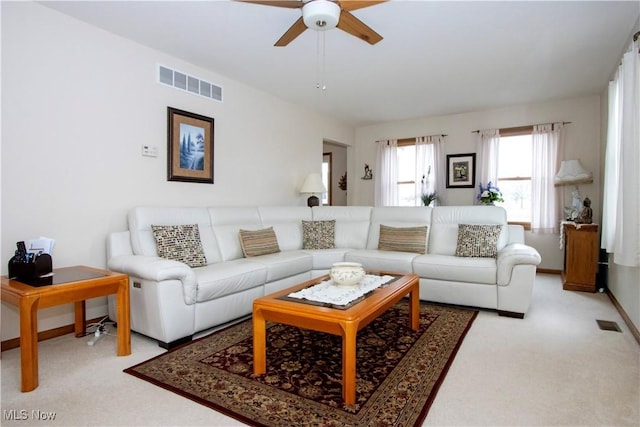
[
  {"x": 397, "y": 216},
  {"x": 287, "y": 224},
  {"x": 443, "y": 236},
  {"x": 142, "y": 218},
  {"x": 227, "y": 222},
  {"x": 352, "y": 224}
]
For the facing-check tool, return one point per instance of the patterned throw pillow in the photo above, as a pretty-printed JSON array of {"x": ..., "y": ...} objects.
[
  {"x": 403, "y": 239},
  {"x": 478, "y": 240},
  {"x": 180, "y": 243},
  {"x": 318, "y": 234},
  {"x": 259, "y": 242}
]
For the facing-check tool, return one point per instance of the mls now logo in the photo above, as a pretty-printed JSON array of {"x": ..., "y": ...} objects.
[
  {"x": 15, "y": 414},
  {"x": 23, "y": 414}
]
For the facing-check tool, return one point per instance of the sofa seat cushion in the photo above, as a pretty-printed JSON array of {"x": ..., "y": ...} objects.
[
  {"x": 284, "y": 264},
  {"x": 229, "y": 277},
  {"x": 374, "y": 259},
  {"x": 456, "y": 269},
  {"x": 323, "y": 259}
]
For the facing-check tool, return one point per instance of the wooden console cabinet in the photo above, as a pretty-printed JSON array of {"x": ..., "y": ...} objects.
[{"x": 580, "y": 257}]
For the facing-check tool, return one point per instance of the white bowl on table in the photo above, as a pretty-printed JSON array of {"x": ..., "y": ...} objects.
[{"x": 346, "y": 273}]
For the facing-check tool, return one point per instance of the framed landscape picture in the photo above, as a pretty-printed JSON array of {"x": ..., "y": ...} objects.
[
  {"x": 461, "y": 170},
  {"x": 189, "y": 147}
]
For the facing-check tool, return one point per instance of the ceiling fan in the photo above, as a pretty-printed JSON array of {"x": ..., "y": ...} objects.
[{"x": 322, "y": 15}]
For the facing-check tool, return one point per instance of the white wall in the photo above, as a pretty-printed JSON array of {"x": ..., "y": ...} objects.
[
  {"x": 582, "y": 139},
  {"x": 77, "y": 105}
]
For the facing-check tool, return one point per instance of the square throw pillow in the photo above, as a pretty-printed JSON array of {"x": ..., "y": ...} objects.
[
  {"x": 180, "y": 243},
  {"x": 478, "y": 240},
  {"x": 403, "y": 239},
  {"x": 318, "y": 234},
  {"x": 259, "y": 242}
]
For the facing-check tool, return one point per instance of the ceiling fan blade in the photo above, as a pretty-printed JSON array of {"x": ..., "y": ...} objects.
[
  {"x": 294, "y": 31},
  {"x": 356, "y": 27},
  {"x": 350, "y": 5},
  {"x": 289, "y": 4}
]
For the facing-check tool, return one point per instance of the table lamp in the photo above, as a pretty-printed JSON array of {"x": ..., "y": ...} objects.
[
  {"x": 313, "y": 185},
  {"x": 573, "y": 173}
]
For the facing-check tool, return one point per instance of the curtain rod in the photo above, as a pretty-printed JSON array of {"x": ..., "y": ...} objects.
[
  {"x": 518, "y": 127},
  {"x": 413, "y": 138}
]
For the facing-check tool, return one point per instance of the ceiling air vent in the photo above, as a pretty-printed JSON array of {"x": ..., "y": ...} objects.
[{"x": 189, "y": 83}]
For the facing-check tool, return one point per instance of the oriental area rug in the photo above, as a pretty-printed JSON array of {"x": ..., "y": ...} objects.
[{"x": 399, "y": 370}]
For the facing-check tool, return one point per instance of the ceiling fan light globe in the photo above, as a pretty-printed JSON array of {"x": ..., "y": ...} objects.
[{"x": 321, "y": 15}]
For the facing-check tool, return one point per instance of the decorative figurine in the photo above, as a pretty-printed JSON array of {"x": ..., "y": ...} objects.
[
  {"x": 368, "y": 173},
  {"x": 587, "y": 213},
  {"x": 342, "y": 182}
]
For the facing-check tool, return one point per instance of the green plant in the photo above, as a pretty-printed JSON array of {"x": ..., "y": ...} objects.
[{"x": 428, "y": 198}]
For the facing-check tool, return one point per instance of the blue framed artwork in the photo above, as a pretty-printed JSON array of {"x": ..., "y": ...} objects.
[{"x": 189, "y": 147}]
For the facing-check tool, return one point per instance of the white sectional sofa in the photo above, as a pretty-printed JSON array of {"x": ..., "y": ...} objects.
[{"x": 171, "y": 301}]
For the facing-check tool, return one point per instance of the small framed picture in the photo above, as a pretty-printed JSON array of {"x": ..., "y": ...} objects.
[
  {"x": 189, "y": 147},
  {"x": 461, "y": 170}
]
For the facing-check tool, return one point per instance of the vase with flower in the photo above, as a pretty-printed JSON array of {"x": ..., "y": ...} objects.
[
  {"x": 427, "y": 197},
  {"x": 490, "y": 194}
]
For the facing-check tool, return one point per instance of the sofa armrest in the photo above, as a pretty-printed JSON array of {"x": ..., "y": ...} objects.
[
  {"x": 157, "y": 269},
  {"x": 512, "y": 255}
]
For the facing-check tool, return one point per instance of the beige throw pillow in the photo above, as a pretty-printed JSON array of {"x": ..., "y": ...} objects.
[
  {"x": 403, "y": 239},
  {"x": 258, "y": 242}
]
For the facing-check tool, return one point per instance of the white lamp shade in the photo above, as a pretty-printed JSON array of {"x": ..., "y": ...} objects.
[
  {"x": 572, "y": 172},
  {"x": 320, "y": 15},
  {"x": 313, "y": 184}
]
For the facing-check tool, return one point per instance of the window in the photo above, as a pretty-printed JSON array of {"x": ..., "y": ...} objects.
[
  {"x": 407, "y": 174},
  {"x": 415, "y": 164},
  {"x": 327, "y": 178},
  {"x": 407, "y": 168},
  {"x": 514, "y": 173}
]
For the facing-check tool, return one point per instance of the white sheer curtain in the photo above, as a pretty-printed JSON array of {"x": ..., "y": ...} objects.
[
  {"x": 488, "y": 151},
  {"x": 545, "y": 205},
  {"x": 429, "y": 163},
  {"x": 386, "y": 176},
  {"x": 621, "y": 204}
]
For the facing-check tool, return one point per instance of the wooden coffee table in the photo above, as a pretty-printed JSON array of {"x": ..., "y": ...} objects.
[
  {"x": 69, "y": 284},
  {"x": 343, "y": 322}
]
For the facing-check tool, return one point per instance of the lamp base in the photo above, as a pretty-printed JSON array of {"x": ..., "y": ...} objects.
[{"x": 313, "y": 201}]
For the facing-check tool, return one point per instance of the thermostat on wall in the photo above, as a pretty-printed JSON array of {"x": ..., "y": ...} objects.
[{"x": 149, "y": 150}]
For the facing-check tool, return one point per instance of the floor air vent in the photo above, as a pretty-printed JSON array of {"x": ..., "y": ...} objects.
[
  {"x": 607, "y": 325},
  {"x": 189, "y": 83}
]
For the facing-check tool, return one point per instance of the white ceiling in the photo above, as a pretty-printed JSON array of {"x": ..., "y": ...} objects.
[{"x": 435, "y": 58}]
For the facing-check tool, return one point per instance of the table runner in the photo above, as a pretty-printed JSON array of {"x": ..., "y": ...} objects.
[{"x": 328, "y": 292}]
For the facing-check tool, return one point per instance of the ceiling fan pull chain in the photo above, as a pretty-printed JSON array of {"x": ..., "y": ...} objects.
[
  {"x": 324, "y": 60},
  {"x": 318, "y": 60}
]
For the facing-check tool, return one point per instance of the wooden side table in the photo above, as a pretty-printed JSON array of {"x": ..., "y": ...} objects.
[
  {"x": 580, "y": 257},
  {"x": 67, "y": 285}
]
